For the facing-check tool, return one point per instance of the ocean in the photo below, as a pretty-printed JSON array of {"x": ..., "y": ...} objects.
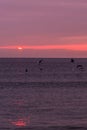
[{"x": 43, "y": 94}]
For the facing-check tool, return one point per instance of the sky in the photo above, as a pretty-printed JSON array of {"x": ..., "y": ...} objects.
[{"x": 43, "y": 28}]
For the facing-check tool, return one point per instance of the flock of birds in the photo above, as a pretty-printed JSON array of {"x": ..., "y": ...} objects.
[
  {"x": 79, "y": 66},
  {"x": 40, "y": 62}
]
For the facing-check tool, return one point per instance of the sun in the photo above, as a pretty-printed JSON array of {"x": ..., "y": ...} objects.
[{"x": 20, "y": 48}]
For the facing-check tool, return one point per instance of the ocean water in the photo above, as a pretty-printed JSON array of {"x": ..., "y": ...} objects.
[{"x": 43, "y": 94}]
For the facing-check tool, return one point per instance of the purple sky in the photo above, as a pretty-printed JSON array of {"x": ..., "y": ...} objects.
[{"x": 43, "y": 22}]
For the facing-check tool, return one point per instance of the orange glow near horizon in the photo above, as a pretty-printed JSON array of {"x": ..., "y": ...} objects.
[
  {"x": 20, "y": 48},
  {"x": 75, "y": 47}
]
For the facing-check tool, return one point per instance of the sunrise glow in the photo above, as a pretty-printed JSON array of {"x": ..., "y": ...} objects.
[
  {"x": 20, "y": 48},
  {"x": 34, "y": 28},
  {"x": 75, "y": 47}
]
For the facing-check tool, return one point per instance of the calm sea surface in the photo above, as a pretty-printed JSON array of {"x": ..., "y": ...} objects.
[{"x": 43, "y": 94}]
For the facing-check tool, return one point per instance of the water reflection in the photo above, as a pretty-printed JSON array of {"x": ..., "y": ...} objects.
[
  {"x": 19, "y": 102},
  {"x": 21, "y": 117},
  {"x": 21, "y": 122}
]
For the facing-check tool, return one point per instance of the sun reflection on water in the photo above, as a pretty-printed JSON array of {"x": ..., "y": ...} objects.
[
  {"x": 20, "y": 123},
  {"x": 21, "y": 117}
]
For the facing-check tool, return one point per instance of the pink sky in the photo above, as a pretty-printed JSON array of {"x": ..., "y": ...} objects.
[{"x": 44, "y": 28}]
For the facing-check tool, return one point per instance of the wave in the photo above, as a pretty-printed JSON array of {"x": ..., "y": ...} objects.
[
  {"x": 47, "y": 128},
  {"x": 42, "y": 84}
]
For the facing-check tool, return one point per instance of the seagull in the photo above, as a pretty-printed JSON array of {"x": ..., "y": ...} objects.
[
  {"x": 26, "y": 70},
  {"x": 80, "y": 67},
  {"x": 40, "y": 61},
  {"x": 72, "y": 60}
]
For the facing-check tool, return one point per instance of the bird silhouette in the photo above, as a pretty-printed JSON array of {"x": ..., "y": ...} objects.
[{"x": 72, "y": 60}]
